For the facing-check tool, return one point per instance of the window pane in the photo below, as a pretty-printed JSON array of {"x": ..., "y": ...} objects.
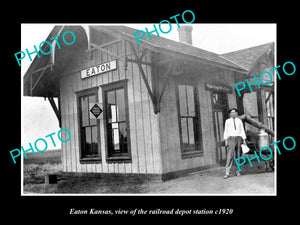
[
  {"x": 110, "y": 138},
  {"x": 88, "y": 141},
  {"x": 116, "y": 139},
  {"x": 223, "y": 98},
  {"x": 191, "y": 132},
  {"x": 249, "y": 107},
  {"x": 111, "y": 97},
  {"x": 92, "y": 101},
  {"x": 113, "y": 114},
  {"x": 182, "y": 100},
  {"x": 215, "y": 98},
  {"x": 94, "y": 140},
  {"x": 184, "y": 134},
  {"x": 115, "y": 126},
  {"x": 191, "y": 100},
  {"x": 221, "y": 124},
  {"x": 272, "y": 105},
  {"x": 84, "y": 111},
  {"x": 219, "y": 98},
  {"x": 111, "y": 106},
  {"x": 217, "y": 126},
  {"x": 123, "y": 137},
  {"x": 120, "y": 104}
]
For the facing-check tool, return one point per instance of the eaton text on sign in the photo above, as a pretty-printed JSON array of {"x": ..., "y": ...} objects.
[{"x": 102, "y": 68}]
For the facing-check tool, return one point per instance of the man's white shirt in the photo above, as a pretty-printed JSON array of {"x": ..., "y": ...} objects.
[{"x": 231, "y": 130}]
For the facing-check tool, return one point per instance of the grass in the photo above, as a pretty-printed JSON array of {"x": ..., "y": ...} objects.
[
  {"x": 40, "y": 158},
  {"x": 37, "y": 166}
]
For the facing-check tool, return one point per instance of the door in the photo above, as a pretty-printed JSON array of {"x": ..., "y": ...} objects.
[{"x": 219, "y": 110}]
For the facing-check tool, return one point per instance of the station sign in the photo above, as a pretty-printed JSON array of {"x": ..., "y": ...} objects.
[{"x": 102, "y": 68}]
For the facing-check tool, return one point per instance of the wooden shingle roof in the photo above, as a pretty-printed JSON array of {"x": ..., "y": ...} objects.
[
  {"x": 242, "y": 60},
  {"x": 247, "y": 58},
  {"x": 163, "y": 45}
]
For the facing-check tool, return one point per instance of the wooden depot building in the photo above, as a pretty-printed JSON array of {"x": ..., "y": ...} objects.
[{"x": 153, "y": 110}]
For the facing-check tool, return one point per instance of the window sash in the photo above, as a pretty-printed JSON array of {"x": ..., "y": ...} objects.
[
  {"x": 89, "y": 141},
  {"x": 189, "y": 120},
  {"x": 116, "y": 121},
  {"x": 89, "y": 132}
]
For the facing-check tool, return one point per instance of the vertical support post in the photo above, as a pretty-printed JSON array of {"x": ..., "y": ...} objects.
[
  {"x": 59, "y": 110},
  {"x": 124, "y": 54},
  {"x": 239, "y": 99},
  {"x": 260, "y": 108}
]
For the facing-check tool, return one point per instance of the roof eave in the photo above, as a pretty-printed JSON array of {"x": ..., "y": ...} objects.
[{"x": 160, "y": 49}]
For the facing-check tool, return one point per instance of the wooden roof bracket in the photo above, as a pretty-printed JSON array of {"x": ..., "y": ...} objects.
[
  {"x": 166, "y": 76},
  {"x": 154, "y": 94},
  {"x": 55, "y": 108},
  {"x": 138, "y": 61},
  {"x": 42, "y": 70}
]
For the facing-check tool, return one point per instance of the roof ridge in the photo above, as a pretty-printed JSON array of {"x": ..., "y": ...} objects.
[
  {"x": 247, "y": 57},
  {"x": 232, "y": 62},
  {"x": 256, "y": 46}
]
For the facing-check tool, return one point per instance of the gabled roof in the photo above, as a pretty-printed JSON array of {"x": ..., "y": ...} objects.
[{"x": 247, "y": 58}]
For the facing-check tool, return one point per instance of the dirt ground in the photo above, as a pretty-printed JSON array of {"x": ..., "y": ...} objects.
[
  {"x": 211, "y": 182},
  {"x": 207, "y": 182}
]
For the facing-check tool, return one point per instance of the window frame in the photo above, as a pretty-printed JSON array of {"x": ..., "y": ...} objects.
[
  {"x": 85, "y": 159},
  {"x": 122, "y": 157},
  {"x": 198, "y": 150}
]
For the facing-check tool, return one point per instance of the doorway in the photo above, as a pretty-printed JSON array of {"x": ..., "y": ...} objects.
[{"x": 219, "y": 110}]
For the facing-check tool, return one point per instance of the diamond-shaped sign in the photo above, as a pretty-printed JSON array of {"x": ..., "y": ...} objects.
[{"x": 96, "y": 110}]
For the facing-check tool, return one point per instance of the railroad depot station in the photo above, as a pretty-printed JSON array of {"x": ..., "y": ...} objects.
[{"x": 155, "y": 110}]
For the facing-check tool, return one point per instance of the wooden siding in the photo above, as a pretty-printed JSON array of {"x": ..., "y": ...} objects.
[
  {"x": 154, "y": 138},
  {"x": 169, "y": 128},
  {"x": 143, "y": 123}
]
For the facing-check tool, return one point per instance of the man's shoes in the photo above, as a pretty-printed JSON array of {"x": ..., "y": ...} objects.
[
  {"x": 238, "y": 174},
  {"x": 226, "y": 176}
]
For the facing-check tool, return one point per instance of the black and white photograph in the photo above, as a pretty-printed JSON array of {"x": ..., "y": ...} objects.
[
  {"x": 125, "y": 111},
  {"x": 166, "y": 108}
]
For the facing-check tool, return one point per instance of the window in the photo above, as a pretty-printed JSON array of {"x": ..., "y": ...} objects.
[
  {"x": 189, "y": 121},
  {"x": 219, "y": 99},
  {"x": 88, "y": 126},
  {"x": 250, "y": 105},
  {"x": 269, "y": 101},
  {"x": 116, "y": 121}
]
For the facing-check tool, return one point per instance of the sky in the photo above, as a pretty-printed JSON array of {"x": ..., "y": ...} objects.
[{"x": 38, "y": 118}]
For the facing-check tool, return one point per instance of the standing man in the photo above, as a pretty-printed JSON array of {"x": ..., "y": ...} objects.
[{"x": 234, "y": 136}]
